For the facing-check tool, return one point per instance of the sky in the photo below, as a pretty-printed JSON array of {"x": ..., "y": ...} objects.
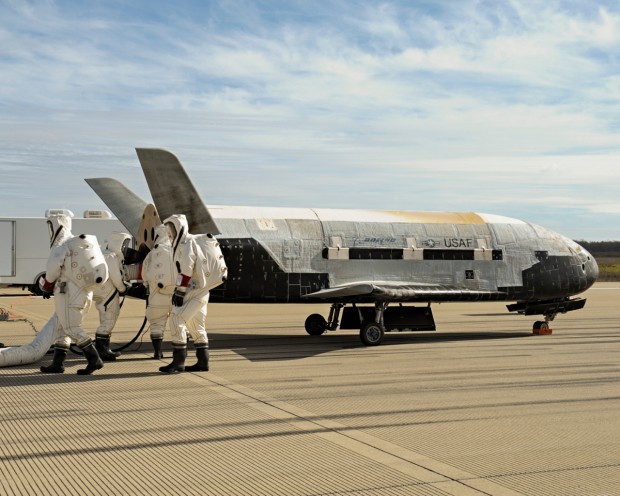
[{"x": 506, "y": 107}]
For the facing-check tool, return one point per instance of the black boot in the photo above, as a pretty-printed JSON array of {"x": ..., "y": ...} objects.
[
  {"x": 102, "y": 343},
  {"x": 57, "y": 365},
  {"x": 94, "y": 362},
  {"x": 202, "y": 354},
  {"x": 179, "y": 353},
  {"x": 158, "y": 354}
]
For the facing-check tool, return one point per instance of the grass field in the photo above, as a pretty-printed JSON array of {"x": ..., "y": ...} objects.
[{"x": 609, "y": 267}]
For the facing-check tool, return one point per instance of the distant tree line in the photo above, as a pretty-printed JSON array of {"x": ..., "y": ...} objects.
[{"x": 602, "y": 247}]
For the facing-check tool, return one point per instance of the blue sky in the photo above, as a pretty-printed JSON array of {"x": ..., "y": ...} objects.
[{"x": 507, "y": 107}]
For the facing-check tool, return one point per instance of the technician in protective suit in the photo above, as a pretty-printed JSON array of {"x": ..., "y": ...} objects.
[
  {"x": 159, "y": 276},
  {"x": 107, "y": 296},
  {"x": 189, "y": 299},
  {"x": 72, "y": 269}
]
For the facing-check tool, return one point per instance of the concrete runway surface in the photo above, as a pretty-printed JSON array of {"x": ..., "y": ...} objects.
[{"x": 481, "y": 406}]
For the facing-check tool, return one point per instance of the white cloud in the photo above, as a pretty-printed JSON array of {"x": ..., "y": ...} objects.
[{"x": 510, "y": 101}]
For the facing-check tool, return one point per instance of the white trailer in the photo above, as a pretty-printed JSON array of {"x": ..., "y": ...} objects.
[{"x": 25, "y": 245}]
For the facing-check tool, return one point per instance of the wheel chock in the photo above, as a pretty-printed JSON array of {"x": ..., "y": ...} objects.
[{"x": 538, "y": 332}]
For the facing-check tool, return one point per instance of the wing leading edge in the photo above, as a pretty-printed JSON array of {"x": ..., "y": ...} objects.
[{"x": 401, "y": 291}]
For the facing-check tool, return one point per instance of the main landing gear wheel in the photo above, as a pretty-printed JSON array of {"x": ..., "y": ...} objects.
[
  {"x": 315, "y": 324},
  {"x": 371, "y": 334}
]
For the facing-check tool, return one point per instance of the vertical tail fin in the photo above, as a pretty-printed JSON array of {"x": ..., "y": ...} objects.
[
  {"x": 124, "y": 203},
  {"x": 172, "y": 190}
]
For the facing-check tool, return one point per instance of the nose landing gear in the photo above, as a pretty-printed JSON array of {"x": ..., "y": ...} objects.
[{"x": 542, "y": 326}]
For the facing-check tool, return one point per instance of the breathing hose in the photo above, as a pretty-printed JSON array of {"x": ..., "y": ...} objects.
[{"x": 77, "y": 351}]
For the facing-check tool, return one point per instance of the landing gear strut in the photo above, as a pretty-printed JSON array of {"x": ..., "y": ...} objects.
[
  {"x": 373, "y": 322},
  {"x": 316, "y": 324},
  {"x": 372, "y": 333}
]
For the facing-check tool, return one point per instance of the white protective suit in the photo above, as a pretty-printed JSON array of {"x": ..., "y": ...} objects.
[
  {"x": 107, "y": 296},
  {"x": 189, "y": 299},
  {"x": 159, "y": 275},
  {"x": 75, "y": 265},
  {"x": 188, "y": 258},
  {"x": 60, "y": 231}
]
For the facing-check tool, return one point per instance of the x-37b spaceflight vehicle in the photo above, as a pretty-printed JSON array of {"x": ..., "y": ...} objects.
[{"x": 379, "y": 270}]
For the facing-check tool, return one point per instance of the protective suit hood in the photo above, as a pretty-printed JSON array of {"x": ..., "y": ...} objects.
[
  {"x": 118, "y": 242},
  {"x": 161, "y": 236},
  {"x": 59, "y": 227},
  {"x": 180, "y": 229}
]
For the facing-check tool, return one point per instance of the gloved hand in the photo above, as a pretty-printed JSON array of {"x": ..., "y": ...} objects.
[
  {"x": 177, "y": 297},
  {"x": 127, "y": 287},
  {"x": 46, "y": 287}
]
